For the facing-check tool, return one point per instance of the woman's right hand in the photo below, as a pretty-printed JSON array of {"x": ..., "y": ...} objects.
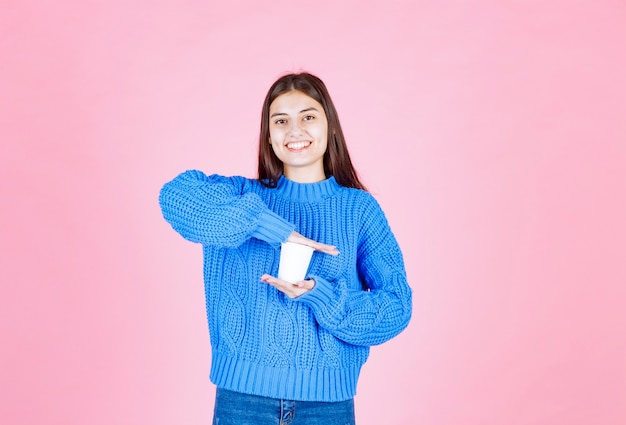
[{"x": 296, "y": 237}]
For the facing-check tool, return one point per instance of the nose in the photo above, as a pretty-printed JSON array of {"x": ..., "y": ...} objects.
[{"x": 294, "y": 128}]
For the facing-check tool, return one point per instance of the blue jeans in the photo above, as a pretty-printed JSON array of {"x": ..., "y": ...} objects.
[{"x": 233, "y": 408}]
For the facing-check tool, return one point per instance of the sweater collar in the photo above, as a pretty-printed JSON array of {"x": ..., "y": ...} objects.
[{"x": 307, "y": 192}]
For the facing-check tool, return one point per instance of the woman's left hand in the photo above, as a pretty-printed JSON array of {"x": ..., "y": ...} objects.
[{"x": 292, "y": 290}]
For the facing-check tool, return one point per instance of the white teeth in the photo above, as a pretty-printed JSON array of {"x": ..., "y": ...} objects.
[{"x": 297, "y": 145}]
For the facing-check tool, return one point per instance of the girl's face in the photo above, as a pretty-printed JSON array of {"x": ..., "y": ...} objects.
[{"x": 298, "y": 135}]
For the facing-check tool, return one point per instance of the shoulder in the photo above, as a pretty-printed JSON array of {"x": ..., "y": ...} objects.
[
  {"x": 363, "y": 209},
  {"x": 363, "y": 201},
  {"x": 373, "y": 224}
]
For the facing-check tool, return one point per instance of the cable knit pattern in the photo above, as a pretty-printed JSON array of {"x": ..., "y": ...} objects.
[{"x": 312, "y": 347}]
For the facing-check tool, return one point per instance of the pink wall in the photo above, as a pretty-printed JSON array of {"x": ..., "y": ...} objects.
[{"x": 492, "y": 132}]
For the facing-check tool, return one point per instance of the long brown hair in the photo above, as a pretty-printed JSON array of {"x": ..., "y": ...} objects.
[{"x": 337, "y": 161}]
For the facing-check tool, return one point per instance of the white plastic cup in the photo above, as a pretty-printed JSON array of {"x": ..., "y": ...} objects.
[{"x": 294, "y": 261}]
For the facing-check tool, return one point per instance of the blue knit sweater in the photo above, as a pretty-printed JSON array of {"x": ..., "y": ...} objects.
[{"x": 264, "y": 343}]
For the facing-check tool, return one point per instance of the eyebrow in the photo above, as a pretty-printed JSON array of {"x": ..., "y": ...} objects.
[{"x": 304, "y": 110}]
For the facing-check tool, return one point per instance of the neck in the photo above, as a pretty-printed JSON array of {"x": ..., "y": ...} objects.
[{"x": 304, "y": 175}]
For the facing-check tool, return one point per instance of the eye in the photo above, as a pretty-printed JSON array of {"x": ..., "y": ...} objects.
[
  {"x": 308, "y": 117},
  {"x": 280, "y": 121}
]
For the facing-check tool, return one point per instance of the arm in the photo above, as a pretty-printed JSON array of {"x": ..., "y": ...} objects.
[
  {"x": 216, "y": 210},
  {"x": 380, "y": 311}
]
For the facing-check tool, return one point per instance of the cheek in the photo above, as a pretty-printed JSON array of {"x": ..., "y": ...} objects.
[
  {"x": 321, "y": 131},
  {"x": 323, "y": 138},
  {"x": 277, "y": 135}
]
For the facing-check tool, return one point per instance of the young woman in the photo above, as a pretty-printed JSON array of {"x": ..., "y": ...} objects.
[{"x": 291, "y": 352}]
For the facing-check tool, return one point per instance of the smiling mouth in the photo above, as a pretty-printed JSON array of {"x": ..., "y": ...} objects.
[{"x": 296, "y": 146}]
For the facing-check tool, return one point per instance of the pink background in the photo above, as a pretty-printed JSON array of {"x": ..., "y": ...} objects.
[{"x": 492, "y": 133}]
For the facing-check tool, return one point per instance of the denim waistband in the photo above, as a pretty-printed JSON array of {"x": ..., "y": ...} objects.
[{"x": 232, "y": 407}]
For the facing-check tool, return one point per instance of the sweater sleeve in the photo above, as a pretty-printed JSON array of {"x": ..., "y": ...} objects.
[
  {"x": 379, "y": 311},
  {"x": 219, "y": 211}
]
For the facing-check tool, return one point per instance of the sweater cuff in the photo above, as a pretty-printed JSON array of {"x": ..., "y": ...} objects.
[
  {"x": 272, "y": 228},
  {"x": 321, "y": 296}
]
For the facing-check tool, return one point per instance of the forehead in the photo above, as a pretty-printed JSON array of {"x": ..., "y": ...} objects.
[{"x": 294, "y": 101}]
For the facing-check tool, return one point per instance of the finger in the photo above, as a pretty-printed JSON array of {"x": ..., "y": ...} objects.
[
  {"x": 279, "y": 283},
  {"x": 306, "y": 284},
  {"x": 318, "y": 246},
  {"x": 327, "y": 249},
  {"x": 292, "y": 290}
]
